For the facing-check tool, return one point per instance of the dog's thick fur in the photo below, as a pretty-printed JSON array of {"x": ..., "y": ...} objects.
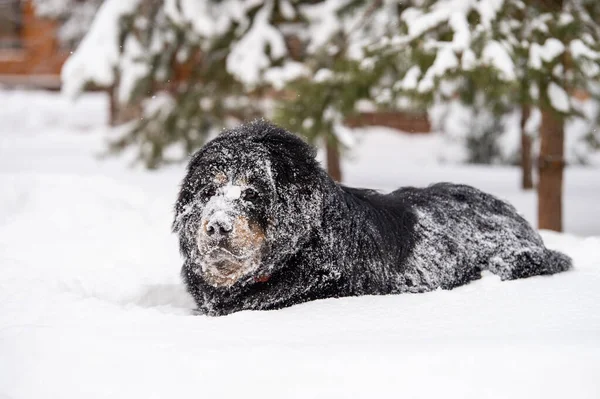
[{"x": 290, "y": 234}]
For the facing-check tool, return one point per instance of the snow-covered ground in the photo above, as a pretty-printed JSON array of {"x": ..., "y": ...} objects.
[{"x": 91, "y": 305}]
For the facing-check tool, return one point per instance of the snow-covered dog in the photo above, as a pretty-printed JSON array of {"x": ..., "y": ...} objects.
[{"x": 262, "y": 226}]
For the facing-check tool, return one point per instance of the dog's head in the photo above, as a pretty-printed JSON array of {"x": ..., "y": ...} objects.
[{"x": 249, "y": 199}]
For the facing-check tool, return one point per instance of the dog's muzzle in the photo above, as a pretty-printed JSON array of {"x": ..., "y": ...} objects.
[{"x": 230, "y": 248}]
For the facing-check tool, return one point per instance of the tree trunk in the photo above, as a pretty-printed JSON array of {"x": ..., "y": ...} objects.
[
  {"x": 551, "y": 164},
  {"x": 333, "y": 160},
  {"x": 526, "y": 160},
  {"x": 112, "y": 106},
  {"x": 119, "y": 113},
  {"x": 551, "y": 161}
]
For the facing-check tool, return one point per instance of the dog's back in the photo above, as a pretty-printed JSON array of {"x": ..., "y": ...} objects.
[{"x": 461, "y": 230}]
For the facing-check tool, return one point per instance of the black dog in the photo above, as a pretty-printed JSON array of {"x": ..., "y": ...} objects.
[{"x": 262, "y": 226}]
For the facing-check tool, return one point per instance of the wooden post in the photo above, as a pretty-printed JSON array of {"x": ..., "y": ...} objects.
[
  {"x": 551, "y": 161},
  {"x": 526, "y": 159},
  {"x": 112, "y": 106},
  {"x": 333, "y": 159},
  {"x": 551, "y": 165}
]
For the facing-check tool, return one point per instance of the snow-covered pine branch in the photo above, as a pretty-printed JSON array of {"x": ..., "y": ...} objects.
[
  {"x": 508, "y": 39},
  {"x": 100, "y": 54},
  {"x": 200, "y": 52}
]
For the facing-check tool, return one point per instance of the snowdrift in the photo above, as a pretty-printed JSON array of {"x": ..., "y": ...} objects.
[{"x": 91, "y": 304}]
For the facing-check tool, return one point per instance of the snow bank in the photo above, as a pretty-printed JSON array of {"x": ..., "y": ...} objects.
[
  {"x": 91, "y": 304},
  {"x": 34, "y": 112}
]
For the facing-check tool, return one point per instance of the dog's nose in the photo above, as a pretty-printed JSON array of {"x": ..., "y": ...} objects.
[{"x": 218, "y": 228}]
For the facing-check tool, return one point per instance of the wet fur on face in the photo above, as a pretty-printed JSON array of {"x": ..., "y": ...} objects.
[{"x": 262, "y": 226}]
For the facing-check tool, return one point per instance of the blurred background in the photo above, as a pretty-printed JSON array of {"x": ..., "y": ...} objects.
[{"x": 500, "y": 94}]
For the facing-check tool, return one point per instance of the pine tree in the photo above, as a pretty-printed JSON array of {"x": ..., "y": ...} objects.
[
  {"x": 342, "y": 70},
  {"x": 187, "y": 67},
  {"x": 184, "y": 89},
  {"x": 524, "y": 53},
  {"x": 191, "y": 66},
  {"x": 564, "y": 58}
]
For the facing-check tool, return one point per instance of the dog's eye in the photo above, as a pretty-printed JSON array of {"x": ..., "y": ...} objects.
[
  {"x": 208, "y": 192},
  {"x": 250, "y": 195}
]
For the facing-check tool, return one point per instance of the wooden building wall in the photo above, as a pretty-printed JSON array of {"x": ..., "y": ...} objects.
[
  {"x": 408, "y": 122},
  {"x": 39, "y": 59}
]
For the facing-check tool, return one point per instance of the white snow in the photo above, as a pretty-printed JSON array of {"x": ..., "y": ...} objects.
[
  {"x": 287, "y": 10},
  {"x": 419, "y": 23},
  {"x": 132, "y": 68},
  {"x": 547, "y": 52},
  {"x": 411, "y": 78},
  {"x": 232, "y": 192},
  {"x": 323, "y": 75},
  {"x": 206, "y": 19},
  {"x": 248, "y": 57},
  {"x": 589, "y": 64},
  {"x": 454, "y": 13},
  {"x": 344, "y": 135},
  {"x": 289, "y": 71},
  {"x": 52, "y": 7},
  {"x": 579, "y": 49},
  {"x": 324, "y": 22},
  {"x": 468, "y": 60},
  {"x": 552, "y": 48},
  {"x": 487, "y": 10},
  {"x": 534, "y": 121},
  {"x": 364, "y": 105},
  {"x": 565, "y": 18},
  {"x": 559, "y": 99},
  {"x": 462, "y": 33},
  {"x": 97, "y": 55},
  {"x": 446, "y": 60},
  {"x": 495, "y": 54},
  {"x": 91, "y": 303},
  {"x": 576, "y": 130},
  {"x": 535, "y": 56}
]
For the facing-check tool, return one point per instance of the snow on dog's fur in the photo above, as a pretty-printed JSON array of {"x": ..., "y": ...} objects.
[{"x": 262, "y": 226}]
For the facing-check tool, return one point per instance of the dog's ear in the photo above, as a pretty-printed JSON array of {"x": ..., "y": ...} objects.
[
  {"x": 280, "y": 139},
  {"x": 293, "y": 160},
  {"x": 188, "y": 188},
  {"x": 299, "y": 186}
]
